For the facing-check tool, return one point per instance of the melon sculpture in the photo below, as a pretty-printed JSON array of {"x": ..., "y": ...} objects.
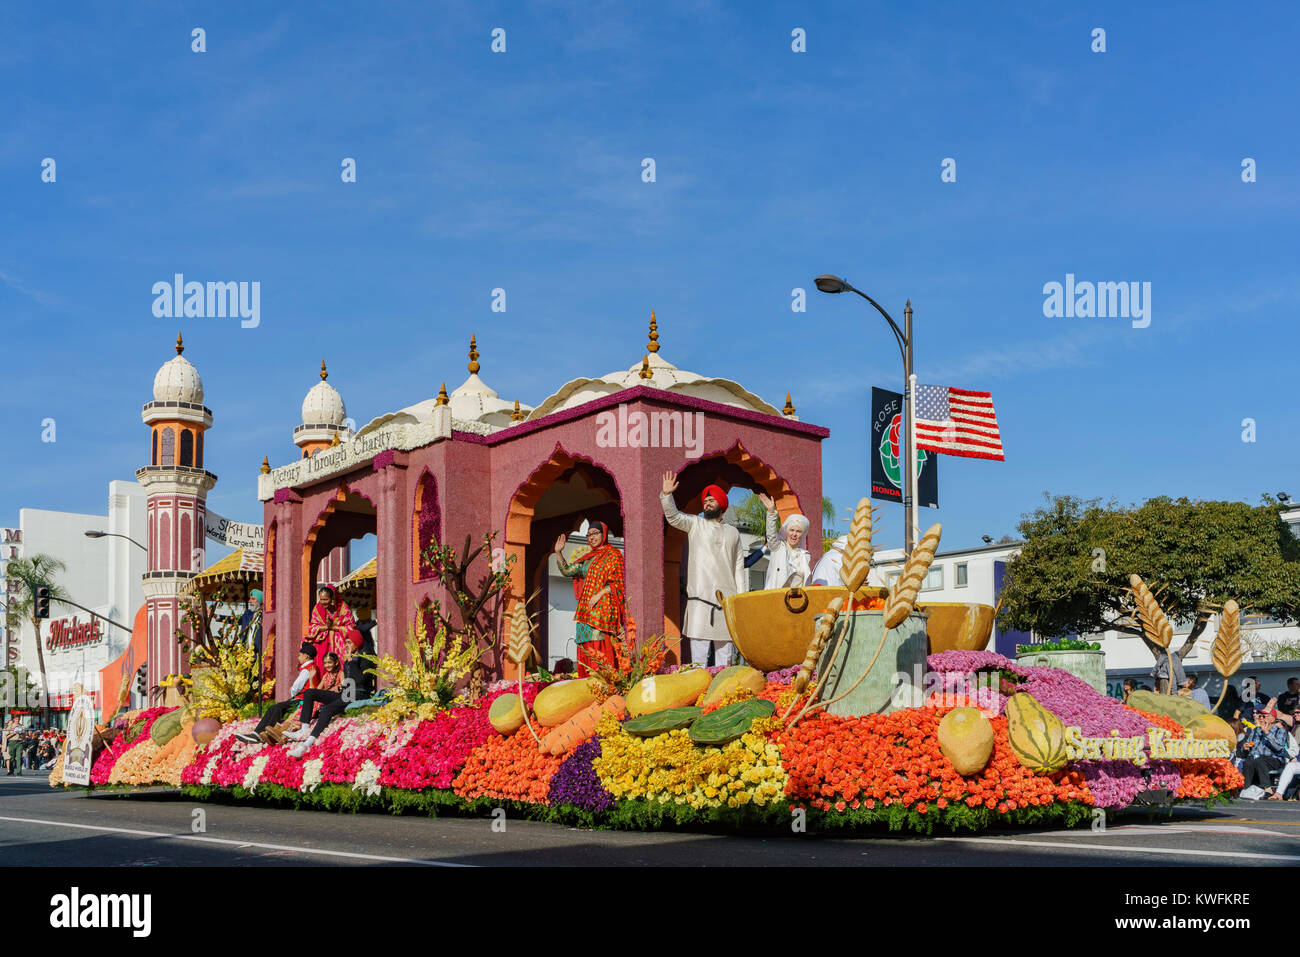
[
  {"x": 205, "y": 729},
  {"x": 506, "y": 714},
  {"x": 1181, "y": 709},
  {"x": 1210, "y": 727},
  {"x": 166, "y": 727},
  {"x": 966, "y": 740},
  {"x": 661, "y": 692},
  {"x": 1036, "y": 736},
  {"x": 558, "y": 702},
  {"x": 733, "y": 679}
]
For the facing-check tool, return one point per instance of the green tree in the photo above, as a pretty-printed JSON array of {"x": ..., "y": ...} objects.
[
  {"x": 1071, "y": 574},
  {"x": 33, "y": 572}
]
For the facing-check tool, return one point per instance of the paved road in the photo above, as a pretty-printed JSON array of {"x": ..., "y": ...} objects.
[{"x": 40, "y": 827}]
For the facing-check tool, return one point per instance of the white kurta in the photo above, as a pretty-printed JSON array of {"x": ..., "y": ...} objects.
[
  {"x": 715, "y": 563},
  {"x": 782, "y": 560}
]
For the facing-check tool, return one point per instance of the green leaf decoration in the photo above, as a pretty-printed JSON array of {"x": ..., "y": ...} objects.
[
  {"x": 661, "y": 722},
  {"x": 727, "y": 724}
]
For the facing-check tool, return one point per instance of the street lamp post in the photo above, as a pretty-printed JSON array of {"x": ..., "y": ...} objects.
[
  {"x": 834, "y": 284},
  {"x": 116, "y": 535}
]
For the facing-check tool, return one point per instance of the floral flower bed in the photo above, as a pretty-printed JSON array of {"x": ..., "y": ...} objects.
[{"x": 875, "y": 770}]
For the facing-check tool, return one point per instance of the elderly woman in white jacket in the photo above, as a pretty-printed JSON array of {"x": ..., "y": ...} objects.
[{"x": 788, "y": 562}]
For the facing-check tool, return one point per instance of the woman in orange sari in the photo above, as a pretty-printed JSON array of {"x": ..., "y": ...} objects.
[
  {"x": 601, "y": 598},
  {"x": 331, "y": 620}
]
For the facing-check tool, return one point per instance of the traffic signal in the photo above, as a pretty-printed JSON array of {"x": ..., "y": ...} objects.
[
  {"x": 42, "y": 601},
  {"x": 141, "y": 679}
]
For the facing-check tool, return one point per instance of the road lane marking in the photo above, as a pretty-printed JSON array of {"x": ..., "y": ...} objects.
[
  {"x": 1121, "y": 847},
  {"x": 1196, "y": 828},
  {"x": 236, "y": 844}
]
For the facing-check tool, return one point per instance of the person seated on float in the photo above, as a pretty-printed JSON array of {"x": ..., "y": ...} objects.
[
  {"x": 329, "y": 695},
  {"x": 789, "y": 564},
  {"x": 331, "y": 620},
  {"x": 308, "y": 678},
  {"x": 356, "y": 677}
]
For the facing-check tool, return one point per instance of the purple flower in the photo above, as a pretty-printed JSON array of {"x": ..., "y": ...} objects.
[
  {"x": 1115, "y": 784},
  {"x": 576, "y": 781}
]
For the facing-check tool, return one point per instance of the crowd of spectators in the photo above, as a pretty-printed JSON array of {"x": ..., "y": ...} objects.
[{"x": 29, "y": 749}]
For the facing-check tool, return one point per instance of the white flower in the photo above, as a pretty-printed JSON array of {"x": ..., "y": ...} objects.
[
  {"x": 255, "y": 771},
  {"x": 311, "y": 774},
  {"x": 367, "y": 779}
]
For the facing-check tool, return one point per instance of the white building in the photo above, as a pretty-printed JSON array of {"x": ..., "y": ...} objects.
[{"x": 103, "y": 575}]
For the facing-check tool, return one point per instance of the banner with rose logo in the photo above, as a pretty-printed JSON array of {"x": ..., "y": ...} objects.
[{"x": 885, "y": 452}]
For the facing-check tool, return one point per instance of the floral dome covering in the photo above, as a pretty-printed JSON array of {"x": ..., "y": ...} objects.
[
  {"x": 323, "y": 406},
  {"x": 178, "y": 381}
]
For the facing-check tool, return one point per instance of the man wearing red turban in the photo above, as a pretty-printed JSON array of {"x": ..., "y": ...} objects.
[{"x": 716, "y": 563}]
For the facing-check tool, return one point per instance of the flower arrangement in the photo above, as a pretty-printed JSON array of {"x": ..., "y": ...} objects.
[
  {"x": 840, "y": 763},
  {"x": 873, "y": 770},
  {"x": 576, "y": 782},
  {"x": 428, "y": 684},
  {"x": 511, "y": 769},
  {"x": 669, "y": 768},
  {"x": 228, "y": 682},
  {"x": 135, "y": 733}
]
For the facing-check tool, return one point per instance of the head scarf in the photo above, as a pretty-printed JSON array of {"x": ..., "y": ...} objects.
[
  {"x": 355, "y": 639},
  {"x": 604, "y": 532},
  {"x": 718, "y": 494},
  {"x": 795, "y": 519},
  {"x": 255, "y": 593}
]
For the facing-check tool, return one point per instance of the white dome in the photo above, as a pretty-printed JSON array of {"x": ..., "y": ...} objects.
[
  {"x": 178, "y": 381},
  {"x": 323, "y": 406}
]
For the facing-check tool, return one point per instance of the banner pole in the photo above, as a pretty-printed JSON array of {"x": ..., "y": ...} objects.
[{"x": 910, "y": 505}]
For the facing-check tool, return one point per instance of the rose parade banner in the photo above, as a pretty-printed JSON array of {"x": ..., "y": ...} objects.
[{"x": 885, "y": 451}]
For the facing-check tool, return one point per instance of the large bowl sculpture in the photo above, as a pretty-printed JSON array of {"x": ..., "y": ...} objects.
[
  {"x": 773, "y": 627},
  {"x": 956, "y": 625}
]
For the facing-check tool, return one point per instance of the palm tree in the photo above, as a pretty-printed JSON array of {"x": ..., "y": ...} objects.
[{"x": 33, "y": 572}]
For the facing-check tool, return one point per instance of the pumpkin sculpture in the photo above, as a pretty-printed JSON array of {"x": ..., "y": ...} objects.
[{"x": 1036, "y": 736}]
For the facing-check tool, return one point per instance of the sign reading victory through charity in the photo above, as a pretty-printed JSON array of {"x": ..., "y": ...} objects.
[{"x": 885, "y": 451}]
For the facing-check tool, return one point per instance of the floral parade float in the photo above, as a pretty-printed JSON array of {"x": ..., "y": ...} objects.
[{"x": 980, "y": 741}]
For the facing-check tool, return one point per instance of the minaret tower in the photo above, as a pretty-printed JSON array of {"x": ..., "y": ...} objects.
[
  {"x": 176, "y": 486},
  {"x": 324, "y": 425}
]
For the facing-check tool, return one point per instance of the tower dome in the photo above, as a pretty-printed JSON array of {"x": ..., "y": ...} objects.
[
  {"x": 323, "y": 404},
  {"x": 324, "y": 417},
  {"x": 177, "y": 380}
]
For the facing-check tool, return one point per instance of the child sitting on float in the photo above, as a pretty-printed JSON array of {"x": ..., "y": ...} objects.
[
  {"x": 329, "y": 695},
  {"x": 308, "y": 678}
]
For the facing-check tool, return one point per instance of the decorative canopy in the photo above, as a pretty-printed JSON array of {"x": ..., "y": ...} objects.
[{"x": 235, "y": 574}]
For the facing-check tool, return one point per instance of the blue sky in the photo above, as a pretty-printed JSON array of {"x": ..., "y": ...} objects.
[{"x": 522, "y": 171}]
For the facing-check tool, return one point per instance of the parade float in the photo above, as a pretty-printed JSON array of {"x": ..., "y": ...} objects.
[{"x": 867, "y": 713}]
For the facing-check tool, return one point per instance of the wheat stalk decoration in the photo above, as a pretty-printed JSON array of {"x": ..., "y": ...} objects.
[
  {"x": 902, "y": 597},
  {"x": 857, "y": 550},
  {"x": 898, "y": 606},
  {"x": 518, "y": 651},
  {"x": 1226, "y": 651},
  {"x": 853, "y": 573},
  {"x": 820, "y": 637},
  {"x": 1155, "y": 624}
]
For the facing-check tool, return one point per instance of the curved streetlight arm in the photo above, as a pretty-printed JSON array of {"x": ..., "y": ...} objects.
[
  {"x": 898, "y": 333},
  {"x": 116, "y": 535}
]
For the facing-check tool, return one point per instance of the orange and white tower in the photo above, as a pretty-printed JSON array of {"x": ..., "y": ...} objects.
[
  {"x": 176, "y": 487},
  {"x": 324, "y": 425}
]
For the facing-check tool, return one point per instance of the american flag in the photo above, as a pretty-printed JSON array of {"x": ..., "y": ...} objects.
[{"x": 957, "y": 422}]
